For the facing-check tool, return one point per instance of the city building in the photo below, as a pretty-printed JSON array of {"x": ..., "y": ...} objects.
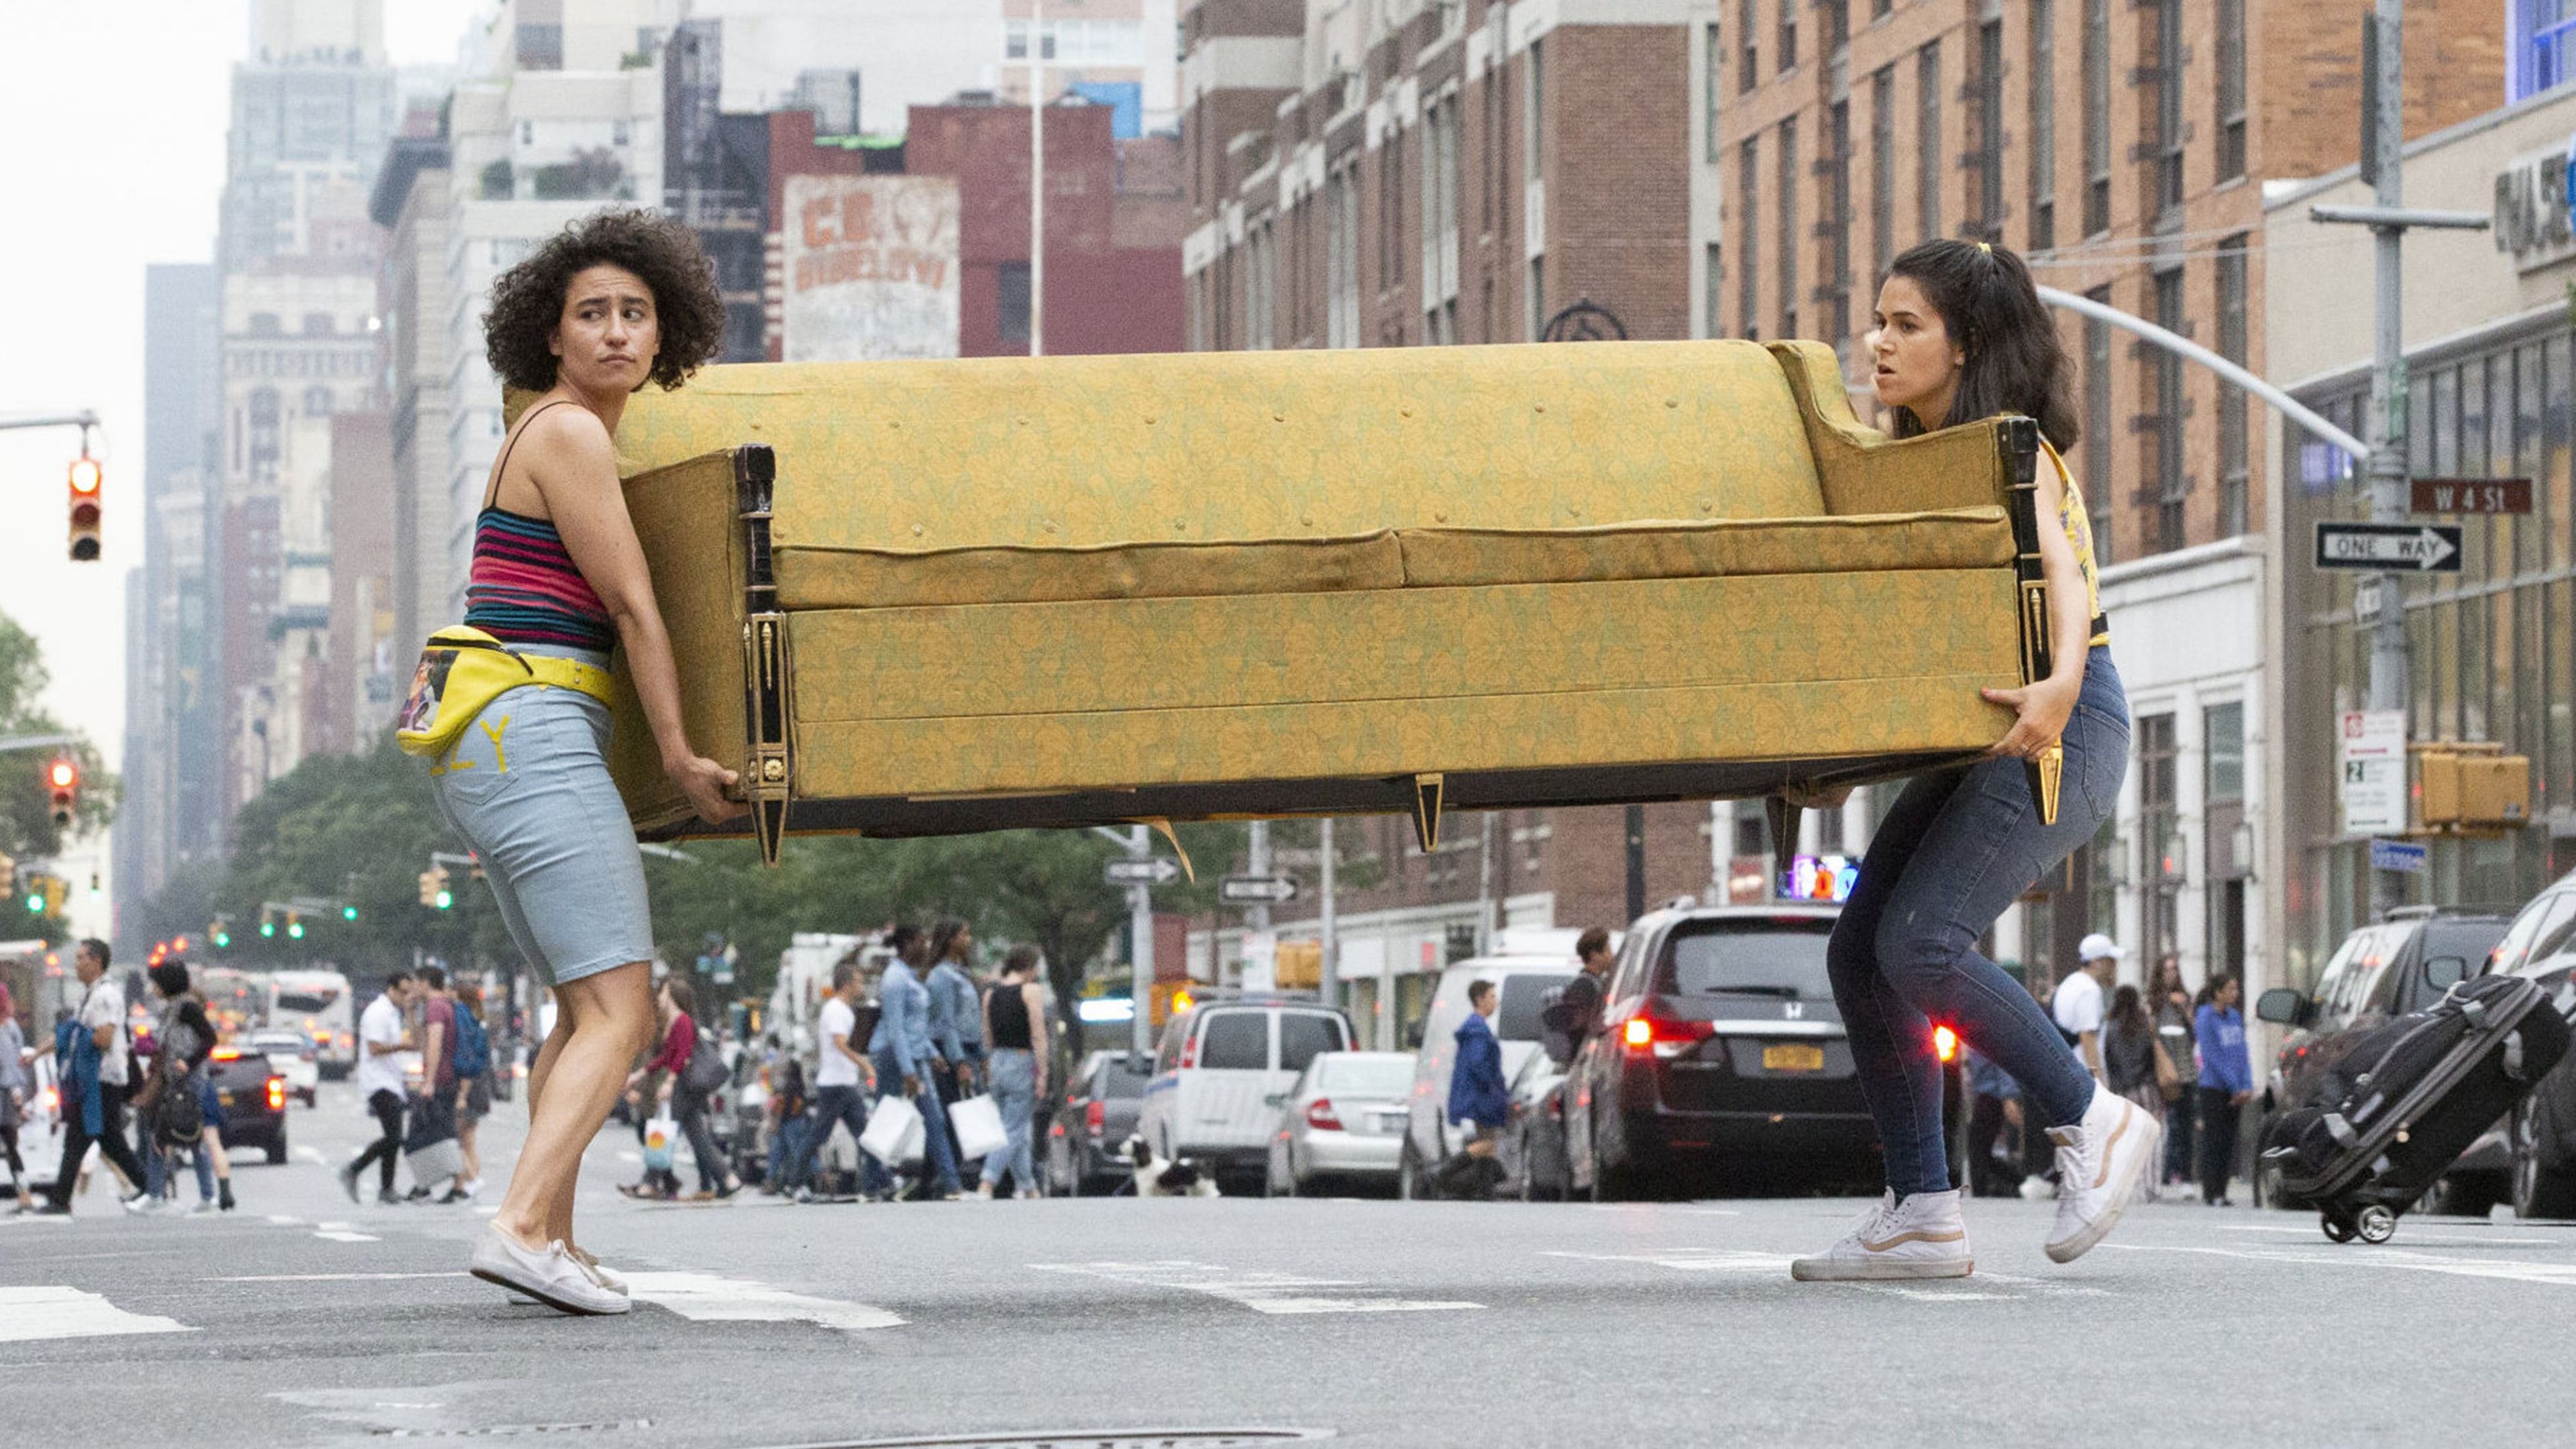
[
  {"x": 2491, "y": 372},
  {"x": 1120, "y": 53},
  {"x": 412, "y": 203}
]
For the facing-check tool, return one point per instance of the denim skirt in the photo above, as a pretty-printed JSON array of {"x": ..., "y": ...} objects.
[{"x": 527, "y": 788}]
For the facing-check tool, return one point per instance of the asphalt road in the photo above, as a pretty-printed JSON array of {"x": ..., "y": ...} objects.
[{"x": 302, "y": 1320}]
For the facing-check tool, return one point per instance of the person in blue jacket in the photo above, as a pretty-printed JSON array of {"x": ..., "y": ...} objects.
[
  {"x": 2226, "y": 1085},
  {"x": 1479, "y": 1099},
  {"x": 903, "y": 1055}
]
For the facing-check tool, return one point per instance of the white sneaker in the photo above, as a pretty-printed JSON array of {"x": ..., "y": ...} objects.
[
  {"x": 2100, "y": 1161},
  {"x": 551, "y": 1276},
  {"x": 600, "y": 1273},
  {"x": 1921, "y": 1237},
  {"x": 2036, "y": 1188}
]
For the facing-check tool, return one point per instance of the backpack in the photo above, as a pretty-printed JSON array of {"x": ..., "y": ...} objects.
[
  {"x": 472, "y": 1056},
  {"x": 178, "y": 1114}
]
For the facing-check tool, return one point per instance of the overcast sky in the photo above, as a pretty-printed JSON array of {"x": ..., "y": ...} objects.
[{"x": 111, "y": 157}]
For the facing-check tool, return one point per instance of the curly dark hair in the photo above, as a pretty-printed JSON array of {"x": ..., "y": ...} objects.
[
  {"x": 2016, "y": 362},
  {"x": 528, "y": 299}
]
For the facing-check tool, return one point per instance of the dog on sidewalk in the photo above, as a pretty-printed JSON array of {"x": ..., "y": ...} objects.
[{"x": 1162, "y": 1177}]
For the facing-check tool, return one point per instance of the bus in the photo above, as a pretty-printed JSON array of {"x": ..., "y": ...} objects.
[{"x": 321, "y": 1005}]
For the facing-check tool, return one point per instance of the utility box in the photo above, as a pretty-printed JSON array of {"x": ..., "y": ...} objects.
[{"x": 2471, "y": 785}]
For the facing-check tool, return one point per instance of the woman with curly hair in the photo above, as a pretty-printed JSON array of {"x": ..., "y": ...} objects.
[{"x": 615, "y": 301}]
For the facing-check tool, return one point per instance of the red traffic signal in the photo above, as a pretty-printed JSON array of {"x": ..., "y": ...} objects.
[
  {"x": 62, "y": 781},
  {"x": 85, "y": 486}
]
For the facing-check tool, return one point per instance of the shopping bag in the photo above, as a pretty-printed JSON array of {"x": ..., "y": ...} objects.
[
  {"x": 429, "y": 1143},
  {"x": 979, "y": 1127},
  {"x": 661, "y": 1137},
  {"x": 894, "y": 1136}
]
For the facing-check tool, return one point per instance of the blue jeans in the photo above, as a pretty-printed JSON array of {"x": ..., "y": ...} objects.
[
  {"x": 938, "y": 1156},
  {"x": 843, "y": 1104},
  {"x": 1958, "y": 848},
  {"x": 787, "y": 1154},
  {"x": 1012, "y": 1078}
]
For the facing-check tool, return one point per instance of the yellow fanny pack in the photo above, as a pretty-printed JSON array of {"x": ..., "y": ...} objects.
[{"x": 463, "y": 669}]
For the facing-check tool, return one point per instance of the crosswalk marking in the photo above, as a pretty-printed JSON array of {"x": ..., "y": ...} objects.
[
  {"x": 1276, "y": 1293},
  {"x": 28, "y": 1314},
  {"x": 332, "y": 1277},
  {"x": 2562, "y": 1275},
  {"x": 343, "y": 1233},
  {"x": 704, "y": 1297},
  {"x": 1691, "y": 1260}
]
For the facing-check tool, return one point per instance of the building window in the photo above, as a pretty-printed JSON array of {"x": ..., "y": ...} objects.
[
  {"x": 1440, "y": 221},
  {"x": 1837, "y": 223},
  {"x": 1715, "y": 56},
  {"x": 2223, "y": 741},
  {"x": 2171, "y": 480},
  {"x": 1882, "y": 171},
  {"x": 1342, "y": 257},
  {"x": 2168, "y": 172},
  {"x": 539, "y": 47},
  {"x": 317, "y": 324},
  {"x": 1748, "y": 251},
  {"x": 1748, "y": 65},
  {"x": 2043, "y": 125},
  {"x": 1013, "y": 304},
  {"x": 2097, "y": 117},
  {"x": 2231, "y": 89},
  {"x": 1990, "y": 129},
  {"x": 1833, "y": 19},
  {"x": 1390, "y": 217},
  {"x": 2096, "y": 481},
  {"x": 2159, "y": 836},
  {"x": 2234, "y": 443},
  {"x": 1788, "y": 159},
  {"x": 1260, "y": 286},
  {"x": 1927, "y": 141},
  {"x": 1534, "y": 137},
  {"x": 2541, "y": 50},
  {"x": 1788, "y": 36},
  {"x": 1538, "y": 298},
  {"x": 1712, "y": 325}
]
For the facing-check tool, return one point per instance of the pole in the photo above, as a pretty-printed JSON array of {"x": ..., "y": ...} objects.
[
  {"x": 1140, "y": 925},
  {"x": 1256, "y": 917},
  {"x": 1037, "y": 179},
  {"x": 1485, "y": 886},
  {"x": 1330, "y": 979},
  {"x": 2387, "y": 423},
  {"x": 1636, "y": 838}
]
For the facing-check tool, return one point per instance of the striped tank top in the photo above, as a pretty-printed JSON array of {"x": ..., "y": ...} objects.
[{"x": 522, "y": 587}]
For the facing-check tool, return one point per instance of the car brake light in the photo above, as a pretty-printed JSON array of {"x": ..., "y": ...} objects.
[
  {"x": 1646, "y": 1031},
  {"x": 1095, "y": 1118},
  {"x": 277, "y": 1094},
  {"x": 1319, "y": 1113},
  {"x": 1641, "y": 1032},
  {"x": 1945, "y": 1043},
  {"x": 1189, "y": 1054}
]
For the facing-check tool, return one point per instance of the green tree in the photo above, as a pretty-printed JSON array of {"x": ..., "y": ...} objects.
[{"x": 26, "y": 802}]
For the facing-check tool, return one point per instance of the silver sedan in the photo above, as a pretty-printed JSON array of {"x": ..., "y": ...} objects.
[{"x": 1343, "y": 1119}]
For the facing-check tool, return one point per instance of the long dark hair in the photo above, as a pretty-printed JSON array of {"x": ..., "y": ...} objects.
[
  {"x": 943, "y": 937},
  {"x": 2129, "y": 1013},
  {"x": 1992, "y": 311},
  {"x": 684, "y": 997}
]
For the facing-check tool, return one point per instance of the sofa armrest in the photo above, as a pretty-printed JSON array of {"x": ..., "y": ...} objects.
[{"x": 1866, "y": 471}]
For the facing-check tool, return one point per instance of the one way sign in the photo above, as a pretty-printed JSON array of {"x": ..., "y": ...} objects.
[{"x": 2424, "y": 548}]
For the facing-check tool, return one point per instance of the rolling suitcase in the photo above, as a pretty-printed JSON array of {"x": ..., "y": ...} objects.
[{"x": 2407, "y": 1099}]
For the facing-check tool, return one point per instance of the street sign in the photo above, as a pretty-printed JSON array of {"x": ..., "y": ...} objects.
[
  {"x": 2424, "y": 548},
  {"x": 2469, "y": 495},
  {"x": 1268, "y": 890},
  {"x": 2372, "y": 751},
  {"x": 2374, "y": 734},
  {"x": 1159, "y": 870},
  {"x": 2397, "y": 855}
]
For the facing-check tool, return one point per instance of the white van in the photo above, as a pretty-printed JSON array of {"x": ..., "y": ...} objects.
[
  {"x": 1526, "y": 982},
  {"x": 1223, "y": 1071},
  {"x": 320, "y": 1006}
]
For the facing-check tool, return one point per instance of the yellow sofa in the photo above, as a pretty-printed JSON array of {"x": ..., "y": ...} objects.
[{"x": 914, "y": 598}]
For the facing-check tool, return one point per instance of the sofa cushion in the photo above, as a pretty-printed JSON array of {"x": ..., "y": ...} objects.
[
  {"x": 814, "y": 578},
  {"x": 1957, "y": 538}
]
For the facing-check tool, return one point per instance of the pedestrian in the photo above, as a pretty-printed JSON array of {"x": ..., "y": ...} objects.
[
  {"x": 180, "y": 1109},
  {"x": 2078, "y": 1007},
  {"x": 2132, "y": 1062},
  {"x": 840, "y": 1073},
  {"x": 1994, "y": 1128},
  {"x": 16, "y": 1084},
  {"x": 93, "y": 1059},
  {"x": 474, "y": 1069},
  {"x": 1571, "y": 1012},
  {"x": 382, "y": 1039},
  {"x": 681, "y": 1044},
  {"x": 786, "y": 1110},
  {"x": 902, "y": 1052},
  {"x": 956, "y": 1011},
  {"x": 2226, "y": 1085},
  {"x": 2171, "y": 1002},
  {"x": 433, "y": 1112},
  {"x": 558, "y": 578},
  {"x": 1961, "y": 336},
  {"x": 1015, "y": 1029},
  {"x": 1480, "y": 1101}
]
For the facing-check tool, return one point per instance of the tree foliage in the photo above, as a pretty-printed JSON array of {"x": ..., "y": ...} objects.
[{"x": 26, "y": 803}]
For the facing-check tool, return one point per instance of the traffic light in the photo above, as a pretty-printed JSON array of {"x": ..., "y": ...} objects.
[
  {"x": 348, "y": 913},
  {"x": 294, "y": 927},
  {"x": 84, "y": 501},
  {"x": 62, "y": 782},
  {"x": 35, "y": 895},
  {"x": 433, "y": 888},
  {"x": 267, "y": 925},
  {"x": 53, "y": 895},
  {"x": 220, "y": 931}
]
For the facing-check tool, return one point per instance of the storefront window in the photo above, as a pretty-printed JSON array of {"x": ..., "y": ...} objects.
[{"x": 2557, "y": 515}]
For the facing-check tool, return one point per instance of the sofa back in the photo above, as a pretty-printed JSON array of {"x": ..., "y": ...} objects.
[{"x": 905, "y": 458}]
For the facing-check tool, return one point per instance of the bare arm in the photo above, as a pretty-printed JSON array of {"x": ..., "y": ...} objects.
[
  {"x": 429, "y": 1059},
  {"x": 2045, "y": 705},
  {"x": 2090, "y": 1048},
  {"x": 574, "y": 465},
  {"x": 1041, "y": 1048}
]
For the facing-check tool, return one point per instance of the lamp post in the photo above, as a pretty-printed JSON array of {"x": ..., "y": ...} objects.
[{"x": 1037, "y": 179}]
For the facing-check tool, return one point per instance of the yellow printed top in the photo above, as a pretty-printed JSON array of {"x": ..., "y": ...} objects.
[{"x": 2079, "y": 532}]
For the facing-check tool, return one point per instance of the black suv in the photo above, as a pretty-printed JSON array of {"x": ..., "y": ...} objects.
[
  {"x": 2538, "y": 1141},
  {"x": 253, "y": 1096},
  {"x": 2403, "y": 963},
  {"x": 1086, "y": 1143}
]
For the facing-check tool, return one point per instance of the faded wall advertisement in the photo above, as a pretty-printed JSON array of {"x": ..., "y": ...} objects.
[{"x": 870, "y": 268}]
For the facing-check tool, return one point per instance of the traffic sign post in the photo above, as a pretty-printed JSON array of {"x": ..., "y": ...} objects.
[
  {"x": 1268, "y": 890},
  {"x": 2400, "y": 856},
  {"x": 2373, "y": 755},
  {"x": 2422, "y": 548},
  {"x": 1140, "y": 870}
]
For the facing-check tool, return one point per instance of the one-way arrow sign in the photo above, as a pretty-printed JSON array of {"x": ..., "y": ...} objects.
[
  {"x": 1160, "y": 870},
  {"x": 2424, "y": 548},
  {"x": 1248, "y": 889}
]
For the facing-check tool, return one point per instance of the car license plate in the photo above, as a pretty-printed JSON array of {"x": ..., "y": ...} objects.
[
  {"x": 1387, "y": 1121},
  {"x": 1793, "y": 1057},
  {"x": 224, "y": 1098}
]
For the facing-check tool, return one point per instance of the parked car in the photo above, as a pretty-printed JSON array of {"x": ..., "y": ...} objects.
[
  {"x": 2539, "y": 1137},
  {"x": 293, "y": 1055},
  {"x": 1533, "y": 1150},
  {"x": 2388, "y": 968},
  {"x": 253, "y": 1096},
  {"x": 1097, "y": 1115},
  {"x": 1722, "y": 1055},
  {"x": 1223, "y": 1070},
  {"x": 1344, "y": 1119},
  {"x": 1524, "y": 984}
]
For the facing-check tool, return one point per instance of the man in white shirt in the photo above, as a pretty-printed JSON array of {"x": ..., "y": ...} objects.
[
  {"x": 382, "y": 1039},
  {"x": 2077, "y": 1005},
  {"x": 838, "y": 1072},
  {"x": 102, "y": 1013}
]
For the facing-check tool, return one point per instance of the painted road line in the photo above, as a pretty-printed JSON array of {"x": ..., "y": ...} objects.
[
  {"x": 307, "y": 1152},
  {"x": 2479, "y": 1240},
  {"x": 1276, "y": 1293},
  {"x": 37, "y": 1313},
  {"x": 285, "y": 1221},
  {"x": 342, "y": 1233},
  {"x": 706, "y": 1298},
  {"x": 329, "y": 1277},
  {"x": 1691, "y": 1260},
  {"x": 2557, "y": 1275}
]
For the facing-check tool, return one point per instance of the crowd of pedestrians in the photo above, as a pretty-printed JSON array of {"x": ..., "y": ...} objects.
[{"x": 429, "y": 1129}]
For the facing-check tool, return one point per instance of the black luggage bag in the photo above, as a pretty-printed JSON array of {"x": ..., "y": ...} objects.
[{"x": 2408, "y": 1098}]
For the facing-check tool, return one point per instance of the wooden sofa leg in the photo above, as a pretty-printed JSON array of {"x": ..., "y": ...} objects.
[
  {"x": 2047, "y": 775},
  {"x": 1783, "y": 819},
  {"x": 1427, "y": 790}
]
